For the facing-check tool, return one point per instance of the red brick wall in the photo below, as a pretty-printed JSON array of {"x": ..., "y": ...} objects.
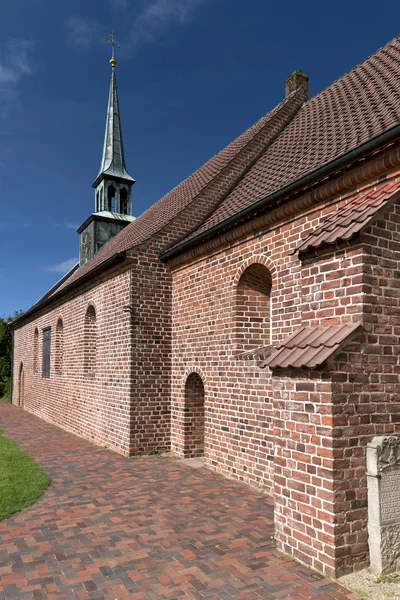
[
  {"x": 303, "y": 477},
  {"x": 96, "y": 407},
  {"x": 151, "y": 352},
  {"x": 283, "y": 433},
  {"x": 253, "y": 308},
  {"x": 194, "y": 417},
  {"x": 366, "y": 386},
  {"x": 271, "y": 432}
]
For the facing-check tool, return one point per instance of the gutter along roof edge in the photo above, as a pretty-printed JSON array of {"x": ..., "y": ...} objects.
[
  {"x": 360, "y": 151},
  {"x": 113, "y": 260}
]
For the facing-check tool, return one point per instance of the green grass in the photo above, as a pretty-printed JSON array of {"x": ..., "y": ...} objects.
[
  {"x": 22, "y": 480},
  {"x": 389, "y": 578}
]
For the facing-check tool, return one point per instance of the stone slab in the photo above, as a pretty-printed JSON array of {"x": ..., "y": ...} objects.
[{"x": 383, "y": 475}]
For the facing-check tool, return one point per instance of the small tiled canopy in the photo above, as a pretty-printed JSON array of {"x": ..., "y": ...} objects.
[
  {"x": 311, "y": 346},
  {"x": 350, "y": 219}
]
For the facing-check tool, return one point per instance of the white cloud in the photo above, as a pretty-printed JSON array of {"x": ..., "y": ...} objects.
[
  {"x": 69, "y": 225},
  {"x": 82, "y": 32},
  {"x": 15, "y": 61},
  {"x": 62, "y": 267},
  {"x": 157, "y": 16}
]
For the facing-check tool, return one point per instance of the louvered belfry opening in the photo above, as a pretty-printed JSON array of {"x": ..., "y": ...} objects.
[
  {"x": 194, "y": 417},
  {"x": 59, "y": 358},
  {"x": 123, "y": 200},
  {"x": 253, "y": 308},
  {"x": 90, "y": 342},
  {"x": 111, "y": 194}
]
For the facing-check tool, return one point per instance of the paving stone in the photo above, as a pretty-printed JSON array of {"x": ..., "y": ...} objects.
[{"x": 111, "y": 528}]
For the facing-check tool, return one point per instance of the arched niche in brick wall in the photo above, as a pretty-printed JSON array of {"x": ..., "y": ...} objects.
[
  {"x": 90, "y": 342},
  {"x": 194, "y": 416},
  {"x": 253, "y": 308},
  {"x": 21, "y": 385},
  {"x": 59, "y": 357},
  {"x": 36, "y": 350}
]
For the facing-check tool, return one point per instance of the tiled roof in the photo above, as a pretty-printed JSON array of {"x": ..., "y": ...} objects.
[
  {"x": 170, "y": 205},
  {"x": 310, "y": 346},
  {"x": 357, "y": 213},
  {"x": 355, "y": 108}
]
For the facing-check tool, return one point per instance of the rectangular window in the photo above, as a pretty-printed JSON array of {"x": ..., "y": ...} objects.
[{"x": 46, "y": 352}]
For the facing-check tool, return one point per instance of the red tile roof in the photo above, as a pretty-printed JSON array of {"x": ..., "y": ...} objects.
[
  {"x": 350, "y": 219},
  {"x": 170, "y": 205},
  {"x": 357, "y": 107},
  {"x": 310, "y": 346}
]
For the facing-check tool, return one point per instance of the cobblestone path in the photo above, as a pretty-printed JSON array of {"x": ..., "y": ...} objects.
[{"x": 113, "y": 528}]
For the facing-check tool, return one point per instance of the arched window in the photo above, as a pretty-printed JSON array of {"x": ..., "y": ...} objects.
[
  {"x": 111, "y": 198},
  {"x": 90, "y": 343},
  {"x": 59, "y": 347},
  {"x": 97, "y": 202},
  {"x": 21, "y": 389},
  {"x": 123, "y": 199},
  {"x": 36, "y": 351},
  {"x": 194, "y": 417},
  {"x": 101, "y": 199},
  {"x": 253, "y": 308}
]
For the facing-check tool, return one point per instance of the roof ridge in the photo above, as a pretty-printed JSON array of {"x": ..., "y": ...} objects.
[
  {"x": 275, "y": 112},
  {"x": 193, "y": 195},
  {"x": 397, "y": 37},
  {"x": 271, "y": 113}
]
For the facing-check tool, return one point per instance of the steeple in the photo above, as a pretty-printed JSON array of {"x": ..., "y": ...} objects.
[
  {"x": 113, "y": 159},
  {"x": 113, "y": 184}
]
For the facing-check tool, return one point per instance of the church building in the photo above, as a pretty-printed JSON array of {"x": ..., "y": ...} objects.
[{"x": 251, "y": 316}]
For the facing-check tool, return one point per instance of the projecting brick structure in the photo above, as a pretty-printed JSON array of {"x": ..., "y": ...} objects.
[{"x": 251, "y": 315}]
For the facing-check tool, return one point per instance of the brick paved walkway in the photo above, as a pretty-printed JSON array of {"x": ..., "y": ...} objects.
[{"x": 114, "y": 528}]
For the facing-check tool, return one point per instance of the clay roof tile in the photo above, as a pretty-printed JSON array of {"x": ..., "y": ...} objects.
[
  {"x": 351, "y": 218},
  {"x": 311, "y": 346}
]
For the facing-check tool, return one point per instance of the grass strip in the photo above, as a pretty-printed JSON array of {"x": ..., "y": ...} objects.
[{"x": 22, "y": 480}]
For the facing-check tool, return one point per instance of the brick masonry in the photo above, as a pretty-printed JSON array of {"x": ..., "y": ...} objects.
[
  {"x": 301, "y": 436},
  {"x": 161, "y": 328}
]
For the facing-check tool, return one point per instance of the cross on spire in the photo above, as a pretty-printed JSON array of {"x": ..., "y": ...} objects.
[{"x": 112, "y": 44}]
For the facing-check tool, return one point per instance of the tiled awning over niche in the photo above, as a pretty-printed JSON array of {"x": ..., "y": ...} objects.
[
  {"x": 350, "y": 219},
  {"x": 310, "y": 346}
]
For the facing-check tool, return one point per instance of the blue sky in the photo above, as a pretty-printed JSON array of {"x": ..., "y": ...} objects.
[{"x": 192, "y": 75}]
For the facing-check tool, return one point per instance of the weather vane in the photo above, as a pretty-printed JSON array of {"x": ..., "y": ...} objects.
[{"x": 113, "y": 44}]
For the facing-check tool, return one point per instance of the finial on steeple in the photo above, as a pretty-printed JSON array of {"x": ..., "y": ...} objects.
[
  {"x": 113, "y": 183},
  {"x": 113, "y": 62}
]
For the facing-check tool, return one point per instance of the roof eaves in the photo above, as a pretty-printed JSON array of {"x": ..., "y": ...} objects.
[
  {"x": 372, "y": 145},
  {"x": 47, "y": 299}
]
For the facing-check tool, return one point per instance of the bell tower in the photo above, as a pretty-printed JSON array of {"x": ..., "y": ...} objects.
[{"x": 113, "y": 184}]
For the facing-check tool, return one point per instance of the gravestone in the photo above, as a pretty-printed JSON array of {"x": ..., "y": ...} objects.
[{"x": 383, "y": 474}]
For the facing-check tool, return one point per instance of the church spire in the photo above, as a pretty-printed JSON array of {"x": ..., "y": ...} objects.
[{"x": 113, "y": 183}]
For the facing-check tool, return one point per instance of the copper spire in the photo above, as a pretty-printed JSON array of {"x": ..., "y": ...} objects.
[{"x": 113, "y": 160}]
